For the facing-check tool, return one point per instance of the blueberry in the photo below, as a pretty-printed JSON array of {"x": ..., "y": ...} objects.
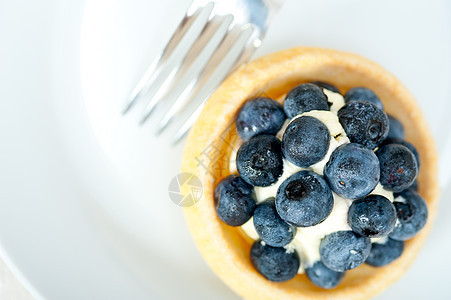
[
  {"x": 259, "y": 160},
  {"x": 414, "y": 185},
  {"x": 270, "y": 227},
  {"x": 372, "y": 216},
  {"x": 234, "y": 200},
  {"x": 306, "y": 141},
  {"x": 363, "y": 94},
  {"x": 364, "y": 123},
  {"x": 304, "y": 199},
  {"x": 398, "y": 167},
  {"x": 412, "y": 213},
  {"x": 274, "y": 263},
  {"x": 352, "y": 171},
  {"x": 383, "y": 254},
  {"x": 259, "y": 116},
  {"x": 322, "y": 276},
  {"x": 396, "y": 130},
  {"x": 327, "y": 86},
  {"x": 344, "y": 250},
  {"x": 407, "y": 144},
  {"x": 305, "y": 97}
]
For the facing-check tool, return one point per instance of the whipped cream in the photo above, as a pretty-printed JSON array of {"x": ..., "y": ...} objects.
[{"x": 308, "y": 239}]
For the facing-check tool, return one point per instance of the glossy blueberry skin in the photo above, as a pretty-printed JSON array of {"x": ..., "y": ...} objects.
[
  {"x": 322, "y": 276},
  {"x": 259, "y": 161},
  {"x": 398, "y": 166},
  {"x": 305, "y": 141},
  {"x": 352, "y": 171},
  {"x": 363, "y": 94},
  {"x": 270, "y": 227},
  {"x": 259, "y": 116},
  {"x": 383, "y": 254},
  {"x": 396, "y": 130},
  {"x": 305, "y": 97},
  {"x": 274, "y": 263},
  {"x": 304, "y": 199},
  {"x": 344, "y": 250},
  {"x": 372, "y": 216},
  {"x": 327, "y": 86},
  {"x": 364, "y": 123},
  {"x": 407, "y": 144},
  {"x": 412, "y": 215},
  {"x": 234, "y": 200}
]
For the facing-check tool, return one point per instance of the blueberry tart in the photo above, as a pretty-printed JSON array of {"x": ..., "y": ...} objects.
[{"x": 312, "y": 184}]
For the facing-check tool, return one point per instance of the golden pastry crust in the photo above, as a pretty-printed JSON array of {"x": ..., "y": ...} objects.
[{"x": 213, "y": 138}]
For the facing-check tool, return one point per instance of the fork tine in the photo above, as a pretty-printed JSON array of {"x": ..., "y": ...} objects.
[
  {"x": 193, "y": 13},
  {"x": 199, "y": 83},
  {"x": 197, "y": 49},
  {"x": 244, "y": 56}
]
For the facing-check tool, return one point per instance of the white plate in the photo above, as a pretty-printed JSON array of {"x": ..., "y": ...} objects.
[{"x": 85, "y": 212}]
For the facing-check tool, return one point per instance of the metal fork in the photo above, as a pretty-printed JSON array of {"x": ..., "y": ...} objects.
[{"x": 213, "y": 39}]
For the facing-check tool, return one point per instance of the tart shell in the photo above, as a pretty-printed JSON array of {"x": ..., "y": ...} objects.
[{"x": 213, "y": 139}]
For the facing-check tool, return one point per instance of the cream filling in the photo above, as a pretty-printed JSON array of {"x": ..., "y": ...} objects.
[
  {"x": 337, "y": 100},
  {"x": 307, "y": 239}
]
